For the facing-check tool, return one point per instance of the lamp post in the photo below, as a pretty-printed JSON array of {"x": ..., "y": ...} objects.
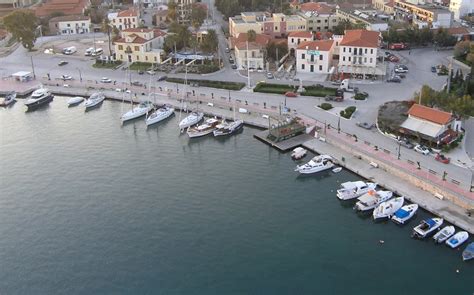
[
  {"x": 80, "y": 74},
  {"x": 471, "y": 187},
  {"x": 399, "y": 147}
]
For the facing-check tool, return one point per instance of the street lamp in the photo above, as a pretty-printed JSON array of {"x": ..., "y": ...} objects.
[
  {"x": 399, "y": 147},
  {"x": 80, "y": 74},
  {"x": 471, "y": 187}
]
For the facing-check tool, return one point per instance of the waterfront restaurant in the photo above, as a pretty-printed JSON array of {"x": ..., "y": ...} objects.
[{"x": 432, "y": 125}]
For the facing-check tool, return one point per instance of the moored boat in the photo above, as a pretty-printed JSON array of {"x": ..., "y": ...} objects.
[
  {"x": 298, "y": 153},
  {"x": 427, "y": 227},
  {"x": 190, "y": 120},
  {"x": 94, "y": 100},
  {"x": 75, "y": 100},
  {"x": 225, "y": 128},
  {"x": 39, "y": 98},
  {"x": 405, "y": 213},
  {"x": 372, "y": 199},
  {"x": 204, "y": 129},
  {"x": 136, "y": 112},
  {"x": 388, "y": 208},
  {"x": 316, "y": 164},
  {"x": 8, "y": 99},
  {"x": 354, "y": 189},
  {"x": 159, "y": 115},
  {"x": 468, "y": 253},
  {"x": 458, "y": 239},
  {"x": 444, "y": 234}
]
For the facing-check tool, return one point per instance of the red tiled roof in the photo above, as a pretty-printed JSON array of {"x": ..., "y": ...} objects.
[
  {"x": 252, "y": 45},
  {"x": 137, "y": 30},
  {"x": 158, "y": 33},
  {"x": 321, "y": 45},
  {"x": 66, "y": 18},
  {"x": 127, "y": 13},
  {"x": 242, "y": 37},
  {"x": 458, "y": 31},
  {"x": 317, "y": 7},
  {"x": 362, "y": 38},
  {"x": 136, "y": 40},
  {"x": 430, "y": 114},
  {"x": 68, "y": 7},
  {"x": 301, "y": 34}
]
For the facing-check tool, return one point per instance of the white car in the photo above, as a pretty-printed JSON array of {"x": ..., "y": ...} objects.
[
  {"x": 150, "y": 72},
  {"x": 105, "y": 80},
  {"x": 422, "y": 149},
  {"x": 66, "y": 77}
]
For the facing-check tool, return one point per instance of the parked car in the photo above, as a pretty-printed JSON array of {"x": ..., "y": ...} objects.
[
  {"x": 62, "y": 63},
  {"x": 393, "y": 58},
  {"x": 141, "y": 72},
  {"x": 162, "y": 78},
  {"x": 442, "y": 158},
  {"x": 105, "y": 80},
  {"x": 433, "y": 69},
  {"x": 150, "y": 72},
  {"x": 422, "y": 149},
  {"x": 270, "y": 76},
  {"x": 137, "y": 83},
  {"x": 66, "y": 77},
  {"x": 227, "y": 50},
  {"x": 395, "y": 79},
  {"x": 365, "y": 125},
  {"x": 401, "y": 70},
  {"x": 406, "y": 143},
  {"x": 234, "y": 66},
  {"x": 291, "y": 94}
]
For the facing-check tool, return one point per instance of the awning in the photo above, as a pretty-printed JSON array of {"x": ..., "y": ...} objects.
[{"x": 423, "y": 127}]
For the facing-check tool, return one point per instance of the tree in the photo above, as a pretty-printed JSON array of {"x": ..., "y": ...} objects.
[
  {"x": 106, "y": 29},
  {"x": 461, "y": 49},
  {"x": 276, "y": 50},
  {"x": 180, "y": 37},
  {"x": 210, "y": 42},
  {"x": 251, "y": 36},
  {"x": 198, "y": 15},
  {"x": 22, "y": 24},
  {"x": 172, "y": 14}
]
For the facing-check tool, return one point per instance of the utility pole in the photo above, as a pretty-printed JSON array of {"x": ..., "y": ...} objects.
[
  {"x": 399, "y": 147},
  {"x": 33, "y": 67}
]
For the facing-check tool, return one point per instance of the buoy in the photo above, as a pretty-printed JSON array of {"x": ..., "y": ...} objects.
[
  {"x": 381, "y": 241},
  {"x": 457, "y": 270}
]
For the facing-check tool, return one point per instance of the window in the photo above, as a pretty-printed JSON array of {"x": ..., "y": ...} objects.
[
  {"x": 292, "y": 40},
  {"x": 146, "y": 57},
  {"x": 311, "y": 68},
  {"x": 343, "y": 58},
  {"x": 320, "y": 57},
  {"x": 276, "y": 28},
  {"x": 136, "y": 48},
  {"x": 319, "y": 28},
  {"x": 319, "y": 21},
  {"x": 320, "y": 68},
  {"x": 365, "y": 50},
  {"x": 334, "y": 20},
  {"x": 120, "y": 47},
  {"x": 302, "y": 66},
  {"x": 302, "y": 56},
  {"x": 326, "y": 27},
  {"x": 349, "y": 58},
  {"x": 343, "y": 49},
  {"x": 325, "y": 20},
  {"x": 371, "y": 51},
  {"x": 138, "y": 57},
  {"x": 155, "y": 59},
  {"x": 370, "y": 60},
  {"x": 365, "y": 59},
  {"x": 312, "y": 58},
  {"x": 68, "y": 25},
  {"x": 350, "y": 49}
]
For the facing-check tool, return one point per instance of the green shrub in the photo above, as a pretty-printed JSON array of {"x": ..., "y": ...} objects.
[
  {"x": 347, "y": 113},
  {"x": 140, "y": 66},
  {"x": 274, "y": 88},
  {"x": 360, "y": 96},
  {"x": 317, "y": 90},
  {"x": 210, "y": 83},
  {"x": 326, "y": 106}
]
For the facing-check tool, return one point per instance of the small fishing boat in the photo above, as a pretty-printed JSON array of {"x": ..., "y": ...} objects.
[
  {"x": 468, "y": 253},
  {"x": 372, "y": 199},
  {"x": 405, "y": 213},
  {"x": 75, "y": 100},
  {"x": 159, "y": 115},
  {"x": 444, "y": 234},
  {"x": 204, "y": 129},
  {"x": 427, "y": 227},
  {"x": 316, "y": 164},
  {"x": 8, "y": 99},
  {"x": 388, "y": 208},
  {"x": 354, "y": 189},
  {"x": 94, "y": 100},
  {"x": 337, "y": 169},
  {"x": 457, "y": 240},
  {"x": 298, "y": 153}
]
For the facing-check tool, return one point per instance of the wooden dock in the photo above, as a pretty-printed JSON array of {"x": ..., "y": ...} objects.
[{"x": 285, "y": 145}]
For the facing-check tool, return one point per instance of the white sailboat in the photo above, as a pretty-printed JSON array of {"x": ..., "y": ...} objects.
[
  {"x": 353, "y": 189},
  {"x": 192, "y": 119},
  {"x": 138, "y": 111},
  {"x": 159, "y": 115},
  {"x": 204, "y": 129},
  {"x": 228, "y": 128}
]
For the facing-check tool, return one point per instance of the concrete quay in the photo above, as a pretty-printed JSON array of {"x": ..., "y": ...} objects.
[{"x": 360, "y": 165}]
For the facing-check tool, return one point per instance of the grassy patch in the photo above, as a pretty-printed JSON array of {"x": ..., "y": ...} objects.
[
  {"x": 140, "y": 66},
  {"x": 326, "y": 106},
  {"x": 318, "y": 90},
  {"x": 392, "y": 114},
  {"x": 347, "y": 113},
  {"x": 274, "y": 88},
  {"x": 209, "y": 83},
  {"x": 106, "y": 65}
]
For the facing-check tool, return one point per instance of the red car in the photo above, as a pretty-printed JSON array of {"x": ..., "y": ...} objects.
[
  {"x": 291, "y": 94},
  {"x": 393, "y": 58},
  {"x": 442, "y": 158}
]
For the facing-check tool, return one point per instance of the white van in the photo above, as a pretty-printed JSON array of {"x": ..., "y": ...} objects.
[
  {"x": 89, "y": 51},
  {"x": 97, "y": 51},
  {"x": 70, "y": 50}
]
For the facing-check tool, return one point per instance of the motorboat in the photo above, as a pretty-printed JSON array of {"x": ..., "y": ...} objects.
[
  {"x": 444, "y": 234},
  {"x": 95, "y": 99},
  {"x": 38, "y": 98},
  {"x": 140, "y": 110},
  {"x": 190, "y": 120},
  {"x": 372, "y": 199},
  {"x": 8, "y": 99},
  {"x": 405, "y": 213},
  {"x": 75, "y": 100},
  {"x": 337, "y": 169},
  {"x": 457, "y": 240},
  {"x": 298, "y": 153},
  {"x": 316, "y": 164},
  {"x": 354, "y": 189},
  {"x": 204, "y": 129},
  {"x": 468, "y": 253},
  {"x": 225, "y": 128},
  {"x": 388, "y": 208},
  {"x": 159, "y": 115},
  {"x": 427, "y": 227}
]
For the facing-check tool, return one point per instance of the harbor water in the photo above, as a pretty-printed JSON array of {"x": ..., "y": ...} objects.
[{"x": 88, "y": 206}]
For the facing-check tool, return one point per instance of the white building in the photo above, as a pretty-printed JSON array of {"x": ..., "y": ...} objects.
[
  {"x": 251, "y": 53},
  {"x": 70, "y": 24},
  {"x": 315, "y": 56},
  {"x": 358, "y": 52},
  {"x": 295, "y": 38},
  {"x": 125, "y": 19},
  {"x": 461, "y": 7}
]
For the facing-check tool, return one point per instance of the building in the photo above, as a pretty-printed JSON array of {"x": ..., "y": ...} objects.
[
  {"x": 255, "y": 52},
  {"x": 69, "y": 24},
  {"x": 160, "y": 18},
  {"x": 319, "y": 17},
  {"x": 125, "y": 19},
  {"x": 384, "y": 6},
  {"x": 435, "y": 126},
  {"x": 358, "y": 53},
  {"x": 67, "y": 7},
  {"x": 315, "y": 56},
  {"x": 276, "y": 25},
  {"x": 429, "y": 16},
  {"x": 7, "y": 6},
  {"x": 370, "y": 18},
  {"x": 295, "y": 38},
  {"x": 183, "y": 10},
  {"x": 140, "y": 45},
  {"x": 460, "y": 8}
]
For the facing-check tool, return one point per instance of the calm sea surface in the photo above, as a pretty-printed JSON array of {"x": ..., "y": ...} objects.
[{"x": 88, "y": 206}]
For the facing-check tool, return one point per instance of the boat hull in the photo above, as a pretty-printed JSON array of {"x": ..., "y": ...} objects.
[
  {"x": 229, "y": 132},
  {"x": 75, "y": 101},
  {"x": 134, "y": 115},
  {"x": 39, "y": 103},
  {"x": 153, "y": 120}
]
